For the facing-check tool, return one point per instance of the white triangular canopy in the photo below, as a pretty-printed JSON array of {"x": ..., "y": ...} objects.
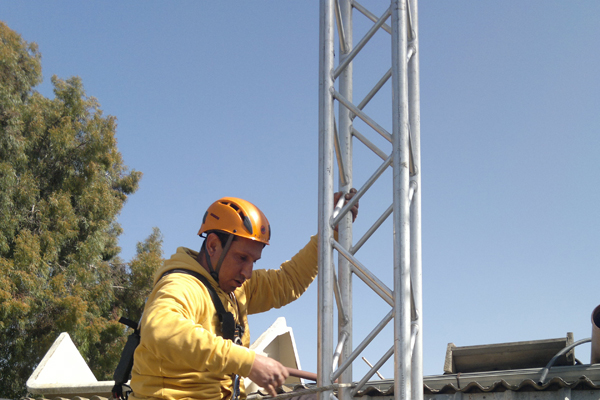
[{"x": 62, "y": 364}]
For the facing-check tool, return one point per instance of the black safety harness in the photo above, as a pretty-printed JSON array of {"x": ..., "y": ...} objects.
[{"x": 229, "y": 330}]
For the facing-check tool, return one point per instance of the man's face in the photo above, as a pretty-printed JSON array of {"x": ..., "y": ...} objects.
[{"x": 238, "y": 263}]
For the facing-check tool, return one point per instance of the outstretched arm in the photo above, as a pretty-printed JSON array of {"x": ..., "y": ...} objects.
[{"x": 277, "y": 287}]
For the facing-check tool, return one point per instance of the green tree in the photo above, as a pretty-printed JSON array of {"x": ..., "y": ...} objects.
[
  {"x": 62, "y": 185},
  {"x": 138, "y": 281}
]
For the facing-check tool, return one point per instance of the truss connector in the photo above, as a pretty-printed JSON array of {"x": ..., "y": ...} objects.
[
  {"x": 412, "y": 188},
  {"x": 338, "y": 351},
  {"x": 410, "y": 52},
  {"x": 414, "y": 331}
]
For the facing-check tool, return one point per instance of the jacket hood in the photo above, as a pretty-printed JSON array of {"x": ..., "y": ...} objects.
[{"x": 184, "y": 258}]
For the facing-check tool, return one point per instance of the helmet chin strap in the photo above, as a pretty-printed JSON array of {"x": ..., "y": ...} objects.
[{"x": 215, "y": 272}]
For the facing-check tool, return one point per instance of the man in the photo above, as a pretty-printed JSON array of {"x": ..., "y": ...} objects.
[{"x": 183, "y": 352}]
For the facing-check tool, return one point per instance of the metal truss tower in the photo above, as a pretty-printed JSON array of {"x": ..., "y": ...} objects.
[{"x": 336, "y": 137}]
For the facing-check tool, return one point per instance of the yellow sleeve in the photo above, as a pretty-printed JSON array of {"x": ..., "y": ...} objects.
[
  {"x": 275, "y": 288},
  {"x": 179, "y": 328}
]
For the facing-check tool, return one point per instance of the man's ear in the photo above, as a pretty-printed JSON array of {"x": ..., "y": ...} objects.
[{"x": 213, "y": 244}]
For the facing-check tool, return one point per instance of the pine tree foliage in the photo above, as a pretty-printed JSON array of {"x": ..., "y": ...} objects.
[
  {"x": 139, "y": 280},
  {"x": 62, "y": 185}
]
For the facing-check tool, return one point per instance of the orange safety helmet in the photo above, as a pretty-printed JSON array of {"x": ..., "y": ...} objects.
[{"x": 238, "y": 217}]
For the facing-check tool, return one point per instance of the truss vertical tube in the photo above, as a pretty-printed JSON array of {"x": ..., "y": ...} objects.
[
  {"x": 401, "y": 222},
  {"x": 345, "y": 226},
  {"x": 414, "y": 101},
  {"x": 325, "y": 210}
]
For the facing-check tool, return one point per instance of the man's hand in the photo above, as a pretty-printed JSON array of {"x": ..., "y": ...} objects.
[
  {"x": 348, "y": 196},
  {"x": 268, "y": 374}
]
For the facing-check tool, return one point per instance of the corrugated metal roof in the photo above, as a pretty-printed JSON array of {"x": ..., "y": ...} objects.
[
  {"x": 514, "y": 378},
  {"x": 582, "y": 383},
  {"x": 578, "y": 377}
]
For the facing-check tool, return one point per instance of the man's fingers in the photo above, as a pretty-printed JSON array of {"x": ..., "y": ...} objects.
[
  {"x": 281, "y": 377},
  {"x": 271, "y": 390},
  {"x": 354, "y": 209},
  {"x": 336, "y": 197},
  {"x": 347, "y": 196},
  {"x": 268, "y": 374}
]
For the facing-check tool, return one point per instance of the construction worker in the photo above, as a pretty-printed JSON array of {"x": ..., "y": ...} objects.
[{"x": 184, "y": 351}]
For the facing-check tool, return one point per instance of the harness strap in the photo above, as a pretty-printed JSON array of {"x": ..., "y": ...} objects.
[
  {"x": 226, "y": 318},
  {"x": 223, "y": 253}
]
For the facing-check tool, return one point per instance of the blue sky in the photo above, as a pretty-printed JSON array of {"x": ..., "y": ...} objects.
[{"x": 220, "y": 99}]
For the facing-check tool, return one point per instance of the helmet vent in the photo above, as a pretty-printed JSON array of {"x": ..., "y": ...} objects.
[
  {"x": 247, "y": 224},
  {"x": 243, "y": 217}
]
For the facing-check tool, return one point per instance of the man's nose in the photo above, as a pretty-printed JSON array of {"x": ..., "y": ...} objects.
[{"x": 247, "y": 270}]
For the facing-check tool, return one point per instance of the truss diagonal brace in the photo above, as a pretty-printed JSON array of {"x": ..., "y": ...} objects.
[
  {"x": 361, "y": 114},
  {"x": 338, "y": 155},
  {"x": 371, "y": 280},
  {"x": 359, "y": 349},
  {"x": 370, "y": 15},
  {"x": 362, "y": 43},
  {"x": 375, "y": 89},
  {"x": 369, "y": 144},
  {"x": 372, "y": 371}
]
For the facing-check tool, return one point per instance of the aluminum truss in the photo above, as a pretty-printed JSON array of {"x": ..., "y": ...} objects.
[{"x": 336, "y": 139}]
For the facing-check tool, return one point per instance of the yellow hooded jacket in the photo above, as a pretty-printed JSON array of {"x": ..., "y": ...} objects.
[{"x": 181, "y": 354}]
